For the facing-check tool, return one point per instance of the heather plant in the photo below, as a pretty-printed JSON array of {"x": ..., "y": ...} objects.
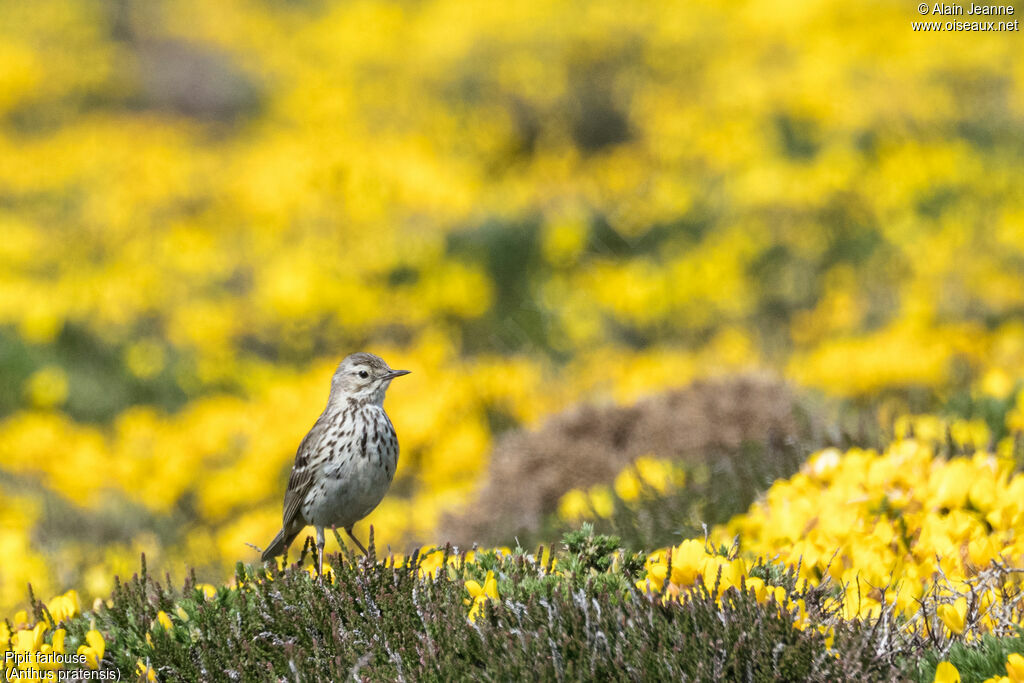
[{"x": 394, "y": 617}]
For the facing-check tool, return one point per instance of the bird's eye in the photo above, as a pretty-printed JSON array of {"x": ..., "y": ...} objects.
[{"x": 364, "y": 374}]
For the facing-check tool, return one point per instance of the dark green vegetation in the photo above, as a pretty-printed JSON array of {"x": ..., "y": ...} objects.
[{"x": 975, "y": 663}]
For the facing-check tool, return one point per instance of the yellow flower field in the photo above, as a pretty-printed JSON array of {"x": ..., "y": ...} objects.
[{"x": 206, "y": 205}]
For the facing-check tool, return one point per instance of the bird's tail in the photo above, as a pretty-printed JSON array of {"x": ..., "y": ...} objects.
[{"x": 278, "y": 545}]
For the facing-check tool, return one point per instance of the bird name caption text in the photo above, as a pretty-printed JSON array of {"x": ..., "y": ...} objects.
[{"x": 47, "y": 666}]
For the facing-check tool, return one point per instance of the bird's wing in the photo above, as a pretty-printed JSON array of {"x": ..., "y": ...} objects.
[{"x": 301, "y": 477}]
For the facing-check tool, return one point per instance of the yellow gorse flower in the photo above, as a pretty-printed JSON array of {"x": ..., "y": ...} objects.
[
  {"x": 480, "y": 594},
  {"x": 63, "y": 607},
  {"x": 574, "y": 505},
  {"x": 945, "y": 672},
  {"x": 48, "y": 387},
  {"x": 56, "y": 645},
  {"x": 1015, "y": 668},
  {"x": 954, "y": 615},
  {"x": 164, "y": 620},
  {"x": 28, "y": 640},
  {"x": 94, "y": 649},
  {"x": 659, "y": 474},
  {"x": 144, "y": 671},
  {"x": 209, "y": 591}
]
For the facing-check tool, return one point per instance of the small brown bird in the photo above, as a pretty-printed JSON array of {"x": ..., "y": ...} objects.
[{"x": 346, "y": 463}]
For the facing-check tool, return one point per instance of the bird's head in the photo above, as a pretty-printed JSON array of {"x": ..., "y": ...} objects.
[{"x": 362, "y": 377}]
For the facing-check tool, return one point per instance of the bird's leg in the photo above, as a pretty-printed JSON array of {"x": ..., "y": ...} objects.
[
  {"x": 320, "y": 543},
  {"x": 348, "y": 530}
]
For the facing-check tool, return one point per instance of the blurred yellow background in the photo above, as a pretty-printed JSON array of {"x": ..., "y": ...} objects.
[{"x": 205, "y": 205}]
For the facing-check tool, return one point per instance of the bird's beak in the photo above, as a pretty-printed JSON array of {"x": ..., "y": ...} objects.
[{"x": 397, "y": 373}]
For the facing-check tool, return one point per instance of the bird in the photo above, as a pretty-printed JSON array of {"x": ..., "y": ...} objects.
[{"x": 346, "y": 462}]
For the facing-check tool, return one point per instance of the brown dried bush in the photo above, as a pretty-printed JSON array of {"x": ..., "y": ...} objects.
[{"x": 711, "y": 422}]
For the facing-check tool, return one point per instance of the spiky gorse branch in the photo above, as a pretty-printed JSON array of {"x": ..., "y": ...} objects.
[{"x": 962, "y": 611}]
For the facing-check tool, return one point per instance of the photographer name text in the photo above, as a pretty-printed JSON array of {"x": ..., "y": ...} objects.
[{"x": 972, "y": 10}]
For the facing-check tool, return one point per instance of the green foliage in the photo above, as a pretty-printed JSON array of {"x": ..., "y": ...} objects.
[
  {"x": 976, "y": 662},
  {"x": 773, "y": 574},
  {"x": 100, "y": 386},
  {"x": 589, "y": 551},
  {"x": 597, "y": 559},
  {"x": 992, "y": 409}
]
